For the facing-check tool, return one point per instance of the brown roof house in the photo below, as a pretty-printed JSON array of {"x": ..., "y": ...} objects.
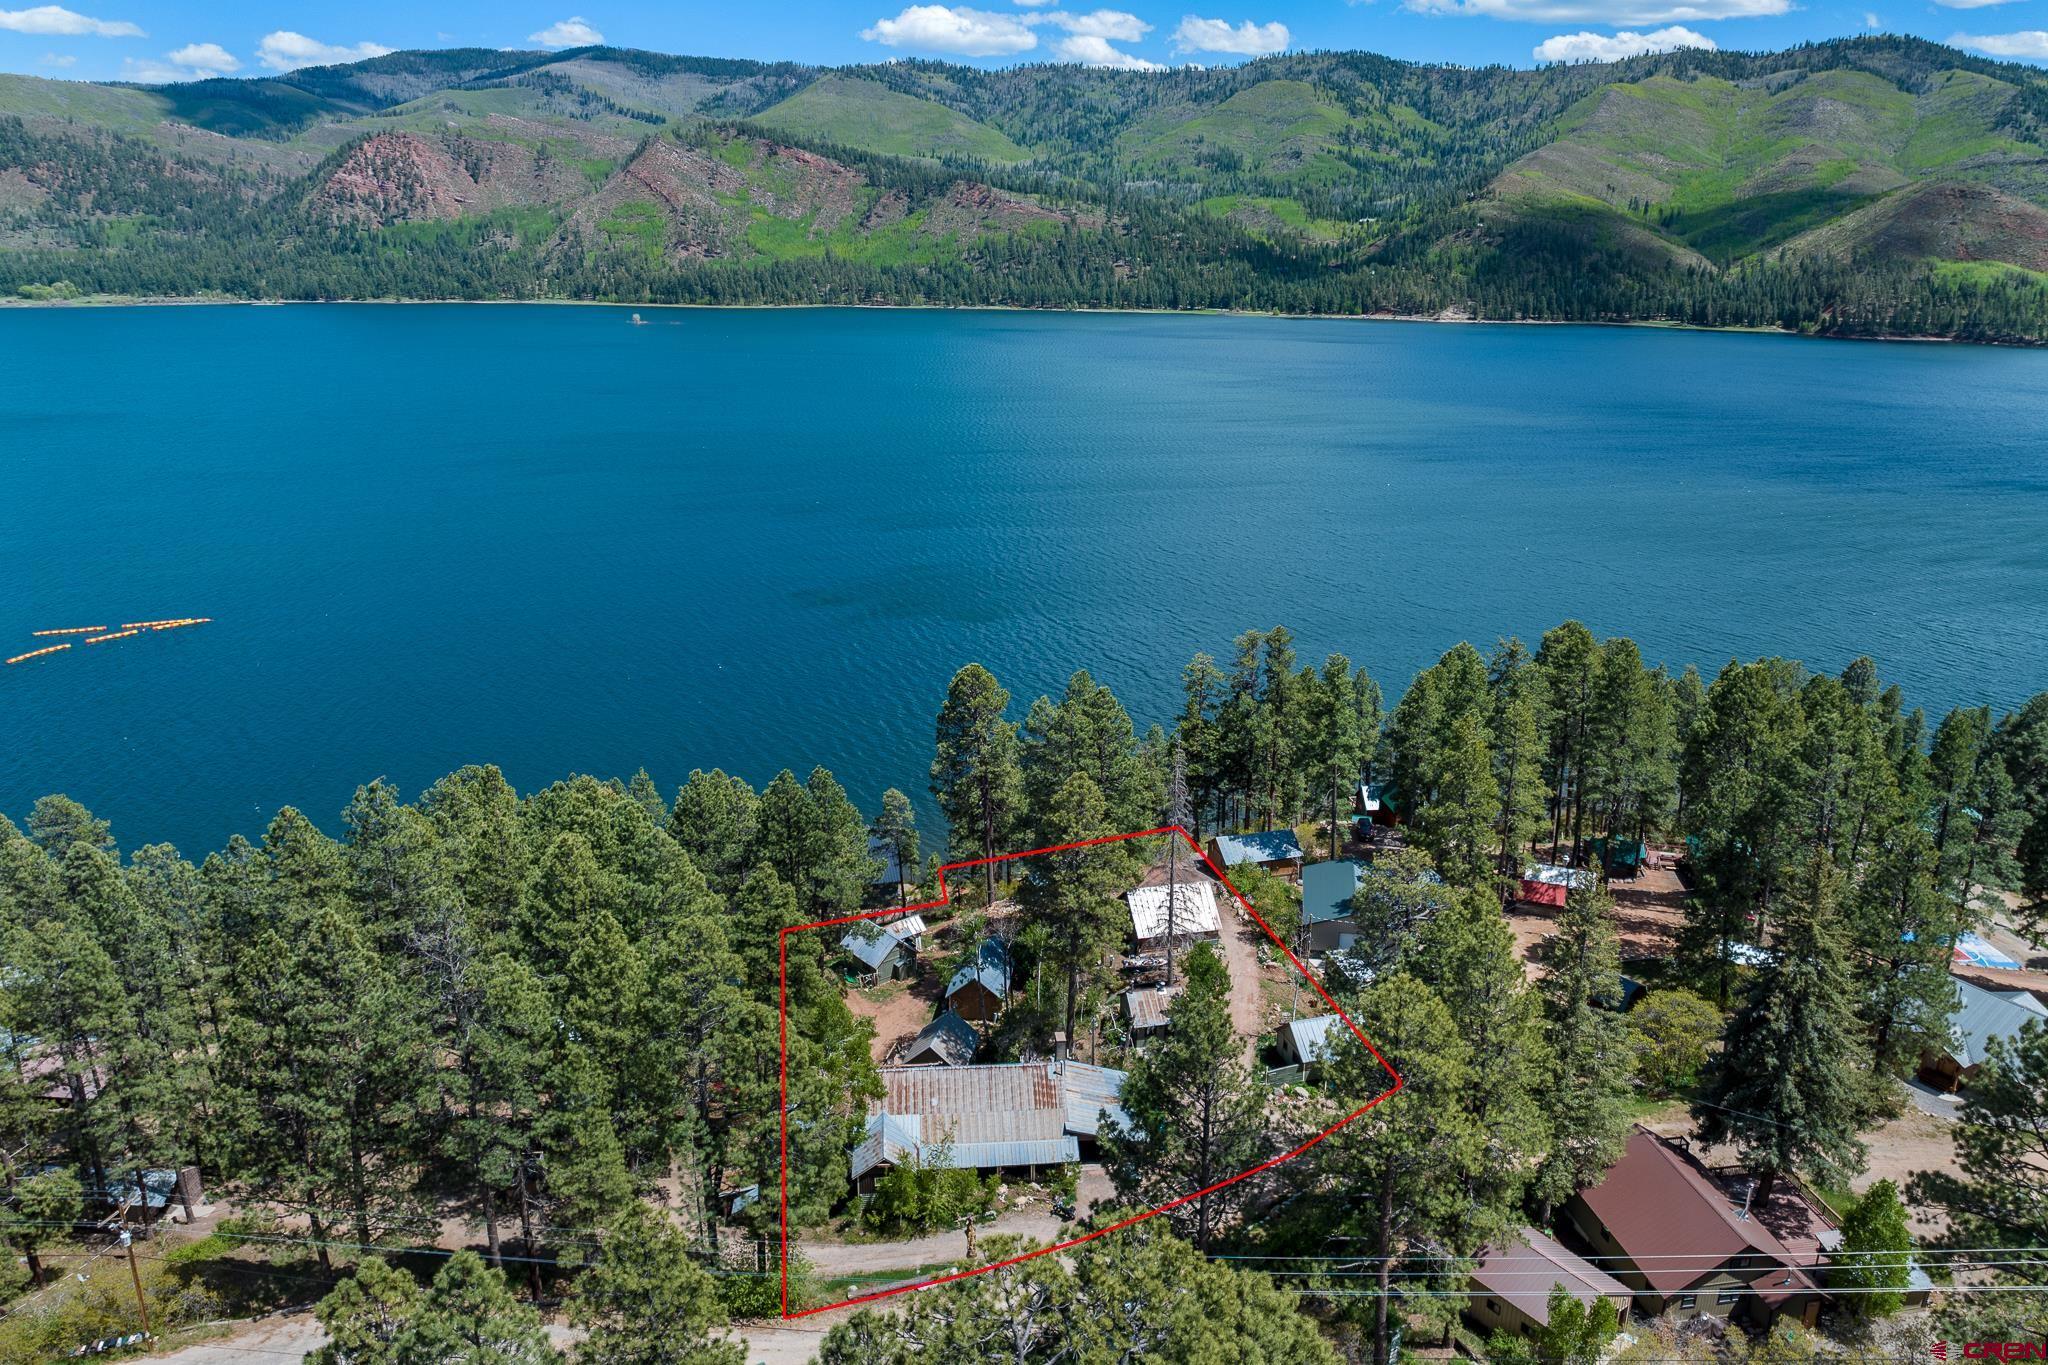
[
  {"x": 1661, "y": 1223},
  {"x": 1511, "y": 1284},
  {"x": 978, "y": 989}
]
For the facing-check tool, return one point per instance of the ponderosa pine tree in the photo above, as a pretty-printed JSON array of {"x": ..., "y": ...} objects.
[
  {"x": 1587, "y": 1088},
  {"x": 1087, "y": 731},
  {"x": 895, "y": 828},
  {"x": 713, "y": 820},
  {"x": 1786, "y": 1087},
  {"x": 1069, "y": 898},
  {"x": 1568, "y": 661},
  {"x": 1196, "y": 1114},
  {"x": 644, "y": 1300},
  {"x": 1406, "y": 1167},
  {"x": 469, "y": 1317},
  {"x": 1518, "y": 754},
  {"x": 975, "y": 775},
  {"x": 365, "y": 1315}
]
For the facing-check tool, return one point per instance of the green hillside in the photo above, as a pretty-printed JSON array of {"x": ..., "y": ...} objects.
[
  {"x": 873, "y": 118},
  {"x": 1861, "y": 186}
]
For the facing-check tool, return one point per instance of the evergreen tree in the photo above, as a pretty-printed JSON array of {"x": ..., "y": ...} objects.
[
  {"x": 896, "y": 829},
  {"x": 1587, "y": 1087},
  {"x": 1785, "y": 1087},
  {"x": 1069, "y": 898},
  {"x": 713, "y": 820},
  {"x": 469, "y": 1317},
  {"x": 1195, "y": 1113},
  {"x": 646, "y": 1302},
  {"x": 365, "y": 1315},
  {"x": 38, "y": 1209},
  {"x": 1406, "y": 1165},
  {"x": 975, "y": 776}
]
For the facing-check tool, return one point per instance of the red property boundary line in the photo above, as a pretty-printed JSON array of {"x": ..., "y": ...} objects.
[{"x": 945, "y": 898}]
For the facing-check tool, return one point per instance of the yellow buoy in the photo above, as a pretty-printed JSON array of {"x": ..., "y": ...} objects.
[
  {"x": 71, "y": 630},
  {"x": 117, "y": 635},
  {"x": 38, "y": 653}
]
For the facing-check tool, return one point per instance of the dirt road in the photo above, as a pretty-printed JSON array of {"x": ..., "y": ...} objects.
[
  {"x": 296, "y": 1336},
  {"x": 944, "y": 1248},
  {"x": 1240, "y": 943}
]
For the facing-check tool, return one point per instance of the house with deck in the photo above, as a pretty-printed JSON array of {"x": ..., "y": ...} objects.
[
  {"x": 1693, "y": 1242},
  {"x": 1512, "y": 1282},
  {"x": 1013, "y": 1116}
]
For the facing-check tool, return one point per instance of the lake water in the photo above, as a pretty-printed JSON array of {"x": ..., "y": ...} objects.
[{"x": 546, "y": 538}]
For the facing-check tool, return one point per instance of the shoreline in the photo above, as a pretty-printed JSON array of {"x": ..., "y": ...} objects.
[{"x": 200, "y": 301}]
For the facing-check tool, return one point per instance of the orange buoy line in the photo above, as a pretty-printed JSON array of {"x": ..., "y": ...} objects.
[
  {"x": 71, "y": 630},
  {"x": 38, "y": 653},
  {"x": 117, "y": 635},
  {"x": 166, "y": 623},
  {"x": 180, "y": 625}
]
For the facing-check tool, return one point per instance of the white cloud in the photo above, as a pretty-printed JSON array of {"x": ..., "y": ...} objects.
[
  {"x": 1605, "y": 11},
  {"x": 1614, "y": 47},
  {"x": 204, "y": 59},
  {"x": 575, "y": 31},
  {"x": 2031, "y": 44},
  {"x": 1089, "y": 50},
  {"x": 56, "y": 21},
  {"x": 955, "y": 30},
  {"x": 1034, "y": 4},
  {"x": 53, "y": 59},
  {"x": 1110, "y": 25},
  {"x": 1872, "y": 21},
  {"x": 1971, "y": 4},
  {"x": 1216, "y": 35},
  {"x": 288, "y": 51}
]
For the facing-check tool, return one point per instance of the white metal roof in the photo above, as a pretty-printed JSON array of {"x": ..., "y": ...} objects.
[
  {"x": 1572, "y": 878},
  {"x": 1194, "y": 913}
]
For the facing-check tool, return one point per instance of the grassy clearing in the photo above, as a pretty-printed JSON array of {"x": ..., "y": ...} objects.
[
  {"x": 874, "y": 118},
  {"x": 637, "y": 226}
]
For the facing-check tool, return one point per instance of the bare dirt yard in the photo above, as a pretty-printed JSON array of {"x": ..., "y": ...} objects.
[{"x": 899, "y": 1008}]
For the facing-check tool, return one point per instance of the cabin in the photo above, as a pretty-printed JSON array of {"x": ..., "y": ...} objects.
[
  {"x": 1547, "y": 883},
  {"x": 1276, "y": 850},
  {"x": 1013, "y": 1116},
  {"x": 885, "y": 950},
  {"x": 947, "y": 1040},
  {"x": 978, "y": 990},
  {"x": 1980, "y": 1017},
  {"x": 1192, "y": 904},
  {"x": 1689, "y": 1246},
  {"x": 1146, "y": 1009},
  {"x": 1512, "y": 1282},
  {"x": 1307, "y": 1043},
  {"x": 1328, "y": 918}
]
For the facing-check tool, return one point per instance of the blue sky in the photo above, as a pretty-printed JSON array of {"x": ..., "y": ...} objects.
[{"x": 155, "y": 40}]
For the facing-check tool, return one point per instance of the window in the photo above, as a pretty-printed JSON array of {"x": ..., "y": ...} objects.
[
  {"x": 1688, "y": 1300},
  {"x": 1728, "y": 1295}
]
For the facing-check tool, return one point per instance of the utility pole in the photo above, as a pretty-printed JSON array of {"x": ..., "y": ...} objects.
[
  {"x": 128, "y": 1242},
  {"x": 1176, "y": 814}
]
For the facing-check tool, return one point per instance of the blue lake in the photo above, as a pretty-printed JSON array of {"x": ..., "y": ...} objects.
[{"x": 546, "y": 538}]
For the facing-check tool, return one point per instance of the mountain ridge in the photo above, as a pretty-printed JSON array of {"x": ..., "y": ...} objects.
[{"x": 1852, "y": 187}]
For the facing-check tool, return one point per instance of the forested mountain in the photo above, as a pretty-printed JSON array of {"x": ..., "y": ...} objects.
[{"x": 1861, "y": 187}]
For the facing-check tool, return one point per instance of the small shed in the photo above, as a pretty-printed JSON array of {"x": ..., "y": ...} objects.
[
  {"x": 1193, "y": 906},
  {"x": 1307, "y": 1042},
  {"x": 1276, "y": 850},
  {"x": 978, "y": 989},
  {"x": 947, "y": 1040},
  {"x": 1146, "y": 1008},
  {"x": 1328, "y": 918},
  {"x": 1547, "y": 883},
  {"x": 1980, "y": 1017}
]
